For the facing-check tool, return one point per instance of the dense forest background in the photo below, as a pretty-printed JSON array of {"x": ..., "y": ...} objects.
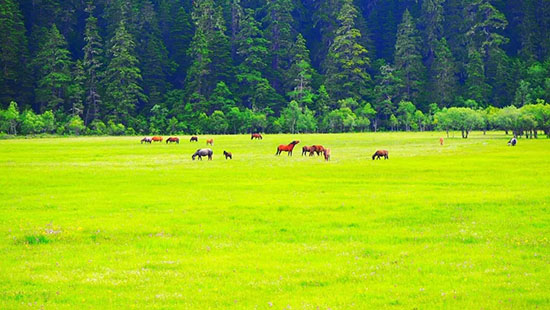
[{"x": 230, "y": 66}]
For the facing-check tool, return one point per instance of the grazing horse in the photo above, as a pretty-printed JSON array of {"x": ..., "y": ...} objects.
[
  {"x": 380, "y": 153},
  {"x": 194, "y": 138},
  {"x": 441, "y": 141},
  {"x": 203, "y": 152},
  {"x": 256, "y": 136},
  {"x": 157, "y": 139},
  {"x": 210, "y": 141},
  {"x": 227, "y": 155},
  {"x": 307, "y": 149},
  {"x": 173, "y": 139},
  {"x": 146, "y": 140},
  {"x": 326, "y": 153},
  {"x": 316, "y": 149},
  {"x": 287, "y": 148},
  {"x": 512, "y": 142}
]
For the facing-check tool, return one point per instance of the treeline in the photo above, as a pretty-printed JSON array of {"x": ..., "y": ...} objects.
[
  {"x": 527, "y": 120},
  {"x": 231, "y": 66}
]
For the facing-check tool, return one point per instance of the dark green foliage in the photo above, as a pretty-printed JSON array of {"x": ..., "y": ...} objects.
[
  {"x": 123, "y": 92},
  {"x": 233, "y": 66},
  {"x": 14, "y": 76},
  {"x": 53, "y": 71},
  {"x": 347, "y": 61},
  {"x": 408, "y": 60}
]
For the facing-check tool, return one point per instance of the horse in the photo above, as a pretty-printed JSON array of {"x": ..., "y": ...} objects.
[
  {"x": 210, "y": 141},
  {"x": 256, "y": 136},
  {"x": 203, "y": 152},
  {"x": 316, "y": 149},
  {"x": 441, "y": 141},
  {"x": 173, "y": 139},
  {"x": 380, "y": 153},
  {"x": 512, "y": 142},
  {"x": 326, "y": 153},
  {"x": 157, "y": 139},
  {"x": 287, "y": 148},
  {"x": 227, "y": 155},
  {"x": 307, "y": 149},
  {"x": 194, "y": 138},
  {"x": 146, "y": 140}
]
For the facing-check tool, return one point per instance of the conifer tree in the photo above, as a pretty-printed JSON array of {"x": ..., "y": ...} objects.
[
  {"x": 14, "y": 75},
  {"x": 76, "y": 90},
  {"x": 278, "y": 30},
  {"x": 408, "y": 60},
  {"x": 347, "y": 61},
  {"x": 92, "y": 63},
  {"x": 443, "y": 78},
  {"x": 122, "y": 77},
  {"x": 53, "y": 67}
]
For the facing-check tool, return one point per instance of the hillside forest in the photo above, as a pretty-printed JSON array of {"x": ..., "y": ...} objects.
[{"x": 240, "y": 66}]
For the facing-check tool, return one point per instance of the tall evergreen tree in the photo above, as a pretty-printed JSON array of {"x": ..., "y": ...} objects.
[
  {"x": 76, "y": 90},
  {"x": 476, "y": 85},
  {"x": 278, "y": 30},
  {"x": 432, "y": 24},
  {"x": 53, "y": 67},
  {"x": 408, "y": 60},
  {"x": 14, "y": 75},
  {"x": 443, "y": 78},
  {"x": 253, "y": 48},
  {"x": 300, "y": 74},
  {"x": 209, "y": 50},
  {"x": 92, "y": 63},
  {"x": 155, "y": 65},
  {"x": 347, "y": 61},
  {"x": 122, "y": 77}
]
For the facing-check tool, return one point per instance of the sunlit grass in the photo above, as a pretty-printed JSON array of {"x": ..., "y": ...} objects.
[{"x": 89, "y": 223}]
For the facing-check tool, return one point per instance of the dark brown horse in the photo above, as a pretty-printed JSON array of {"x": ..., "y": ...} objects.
[
  {"x": 173, "y": 140},
  {"x": 256, "y": 136},
  {"x": 227, "y": 155},
  {"x": 194, "y": 138},
  {"x": 316, "y": 149},
  {"x": 287, "y": 148},
  {"x": 326, "y": 153},
  {"x": 307, "y": 149},
  {"x": 157, "y": 139},
  {"x": 146, "y": 140},
  {"x": 380, "y": 153},
  {"x": 210, "y": 141}
]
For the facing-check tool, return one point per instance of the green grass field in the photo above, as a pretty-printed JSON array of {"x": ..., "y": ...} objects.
[{"x": 105, "y": 222}]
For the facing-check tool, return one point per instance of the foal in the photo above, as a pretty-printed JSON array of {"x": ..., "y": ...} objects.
[{"x": 228, "y": 155}]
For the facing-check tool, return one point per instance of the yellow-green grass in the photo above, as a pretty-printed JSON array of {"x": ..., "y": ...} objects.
[{"x": 106, "y": 222}]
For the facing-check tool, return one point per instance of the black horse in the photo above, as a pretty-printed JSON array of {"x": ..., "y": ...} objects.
[
  {"x": 227, "y": 155},
  {"x": 512, "y": 142},
  {"x": 203, "y": 152}
]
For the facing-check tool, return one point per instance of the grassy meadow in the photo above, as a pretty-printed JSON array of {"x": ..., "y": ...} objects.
[{"x": 109, "y": 223}]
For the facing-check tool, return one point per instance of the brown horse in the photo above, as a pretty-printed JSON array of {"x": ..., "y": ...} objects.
[
  {"x": 210, "y": 141},
  {"x": 316, "y": 149},
  {"x": 227, "y": 155},
  {"x": 380, "y": 153},
  {"x": 287, "y": 148},
  {"x": 307, "y": 149},
  {"x": 157, "y": 139},
  {"x": 256, "y": 136},
  {"x": 441, "y": 141},
  {"x": 326, "y": 153},
  {"x": 173, "y": 139},
  {"x": 194, "y": 138},
  {"x": 146, "y": 140}
]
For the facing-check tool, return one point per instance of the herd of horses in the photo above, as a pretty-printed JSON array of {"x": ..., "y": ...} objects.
[{"x": 288, "y": 148}]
